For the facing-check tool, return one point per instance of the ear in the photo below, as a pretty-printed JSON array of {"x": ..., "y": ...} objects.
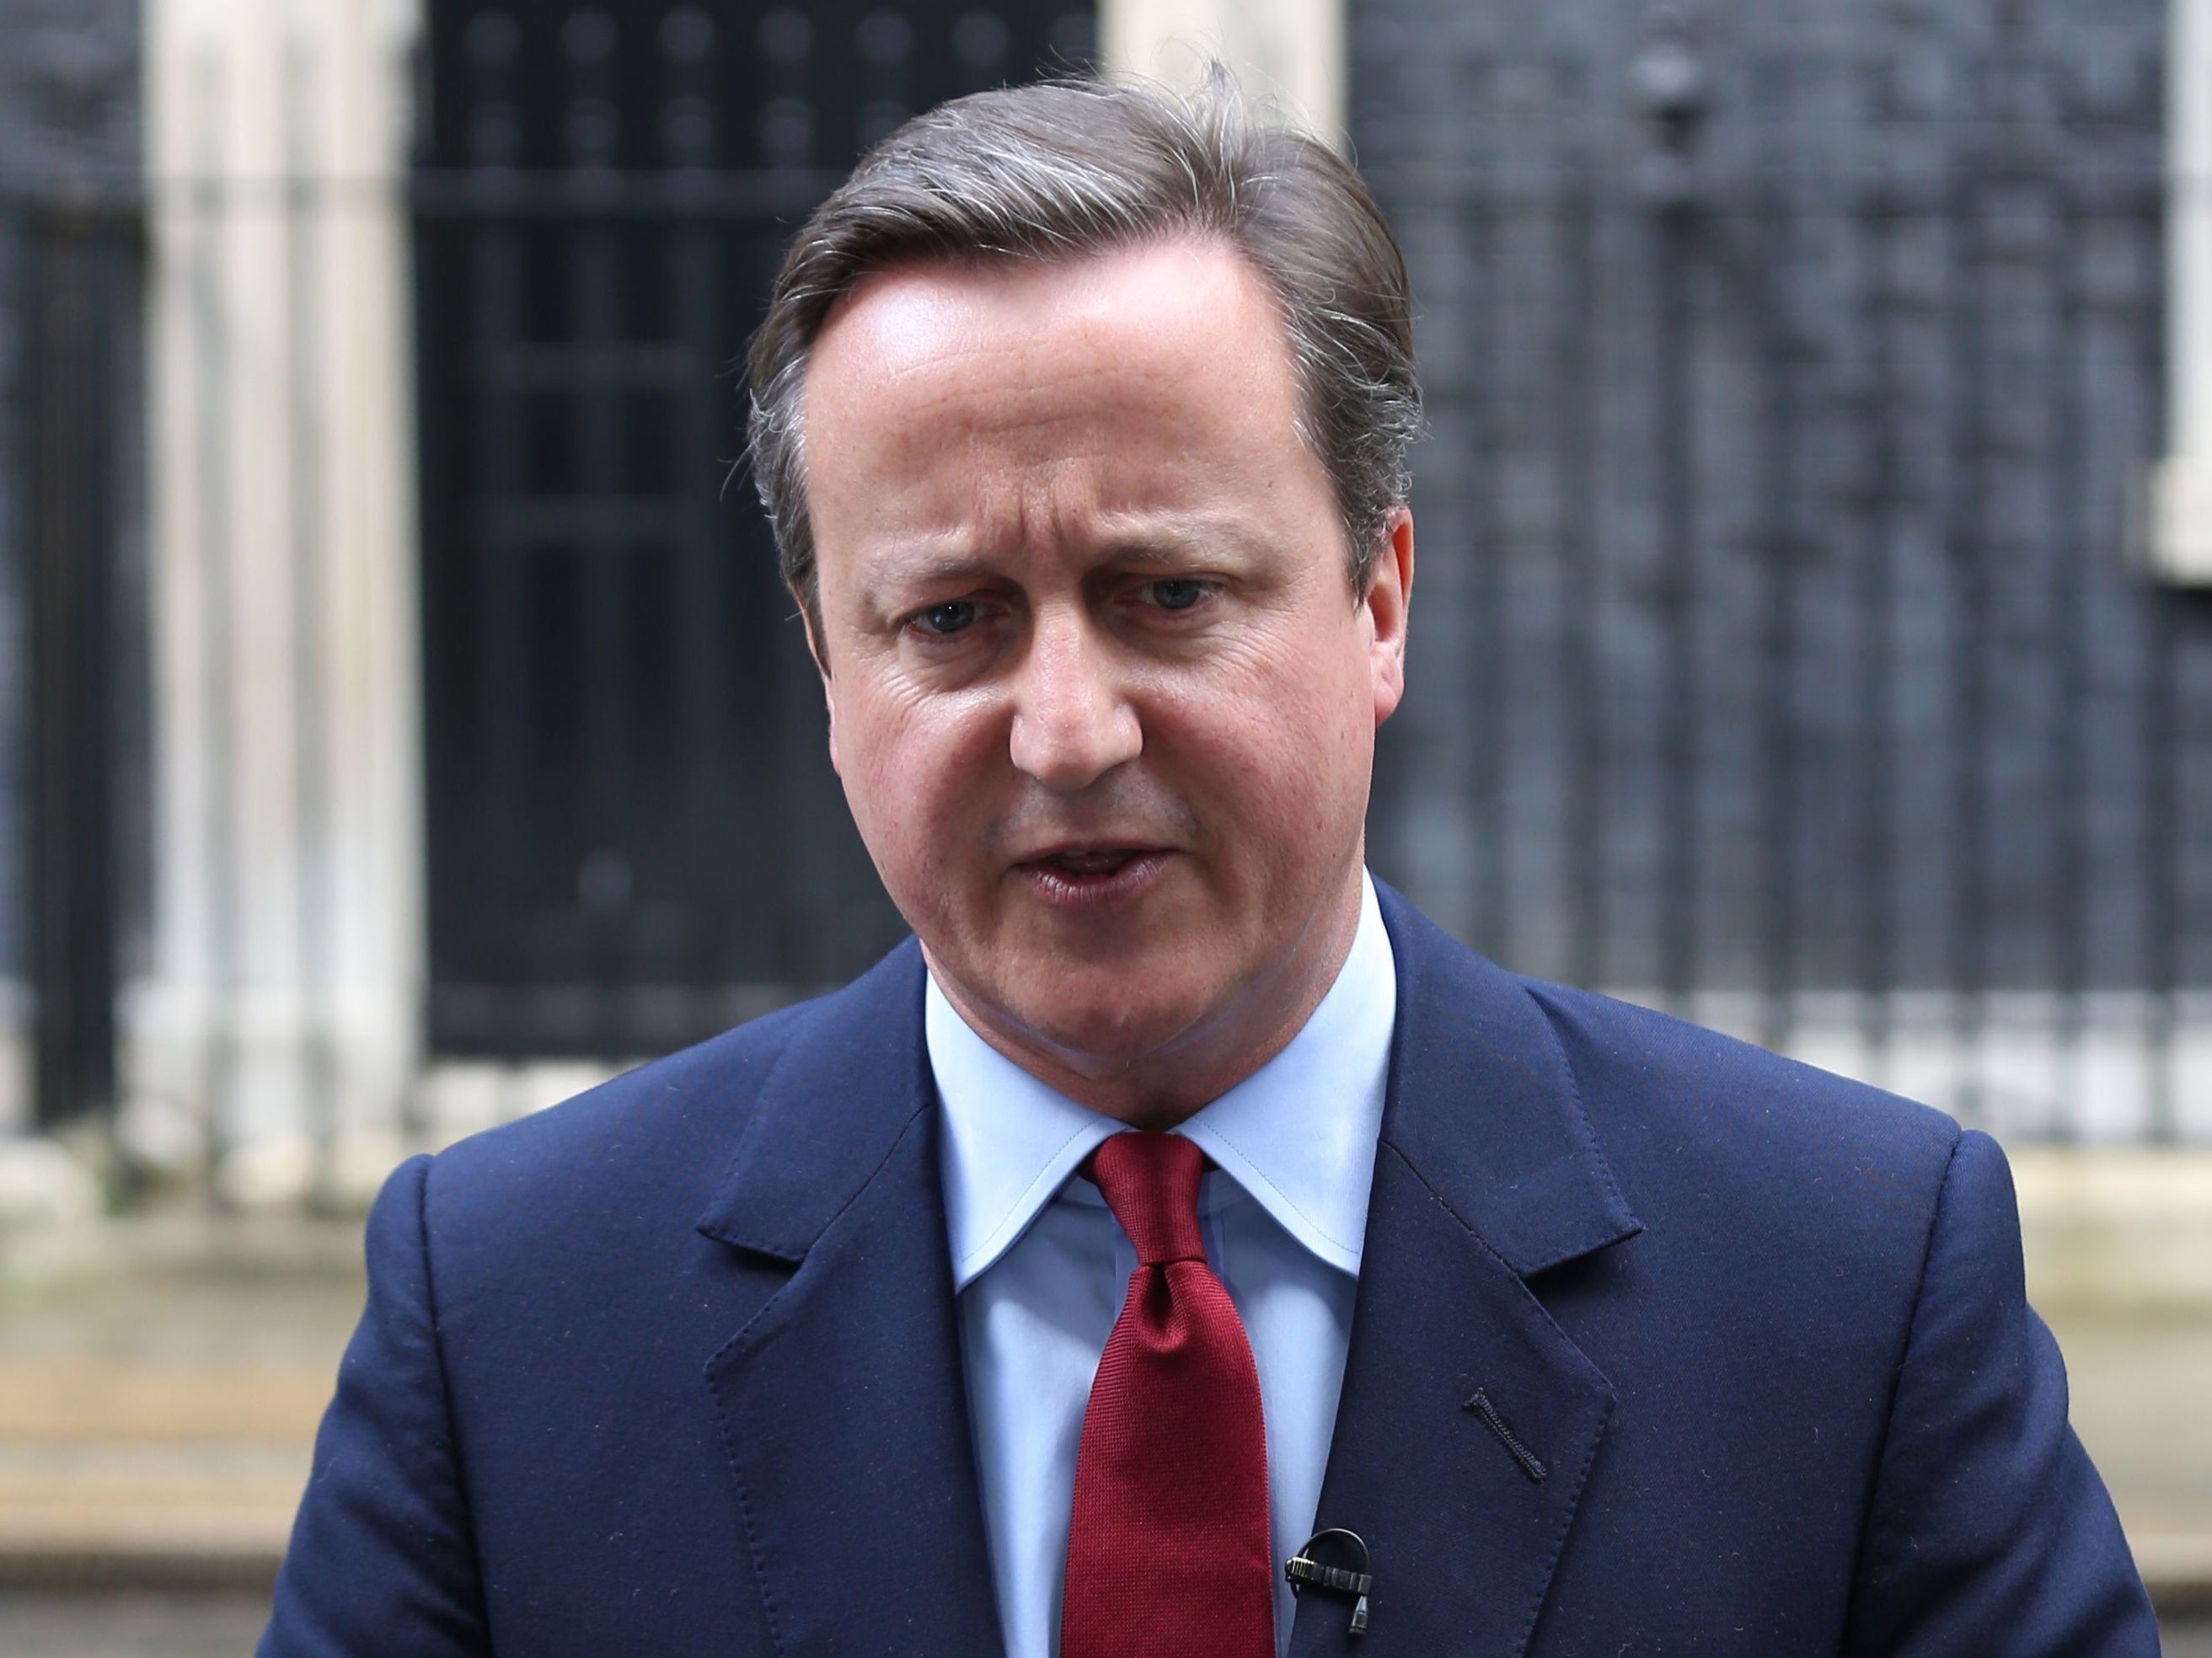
[
  {"x": 1389, "y": 597},
  {"x": 809, "y": 621}
]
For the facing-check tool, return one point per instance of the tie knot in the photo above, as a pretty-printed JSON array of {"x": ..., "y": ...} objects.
[{"x": 1151, "y": 1183}]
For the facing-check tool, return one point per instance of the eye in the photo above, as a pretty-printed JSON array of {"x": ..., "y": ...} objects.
[
  {"x": 1174, "y": 594},
  {"x": 950, "y": 617}
]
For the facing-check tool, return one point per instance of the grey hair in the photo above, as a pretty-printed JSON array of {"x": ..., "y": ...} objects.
[{"x": 1062, "y": 169}]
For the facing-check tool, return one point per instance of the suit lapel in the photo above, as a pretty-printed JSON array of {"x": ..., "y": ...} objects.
[
  {"x": 1487, "y": 1174},
  {"x": 841, "y": 1402}
]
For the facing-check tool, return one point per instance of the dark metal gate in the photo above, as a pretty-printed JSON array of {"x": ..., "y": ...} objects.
[
  {"x": 636, "y": 838},
  {"x": 1779, "y": 656},
  {"x": 73, "y": 777},
  {"x": 80, "y": 291}
]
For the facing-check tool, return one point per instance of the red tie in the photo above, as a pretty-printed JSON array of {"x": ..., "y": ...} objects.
[{"x": 1167, "y": 1552}]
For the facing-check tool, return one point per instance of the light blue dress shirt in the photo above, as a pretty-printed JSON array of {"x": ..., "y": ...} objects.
[{"x": 1041, "y": 1266}]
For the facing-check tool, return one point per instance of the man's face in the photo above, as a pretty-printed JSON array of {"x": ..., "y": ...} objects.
[{"x": 1101, "y": 696}]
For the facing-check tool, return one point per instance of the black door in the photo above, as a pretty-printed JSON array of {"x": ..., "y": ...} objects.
[{"x": 635, "y": 835}]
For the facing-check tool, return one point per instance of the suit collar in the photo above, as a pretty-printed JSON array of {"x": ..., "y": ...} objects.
[
  {"x": 1482, "y": 1106},
  {"x": 1484, "y": 1110},
  {"x": 851, "y": 1080}
]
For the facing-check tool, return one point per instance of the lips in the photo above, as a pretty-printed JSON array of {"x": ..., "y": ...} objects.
[
  {"x": 1090, "y": 861},
  {"x": 1092, "y": 875}
]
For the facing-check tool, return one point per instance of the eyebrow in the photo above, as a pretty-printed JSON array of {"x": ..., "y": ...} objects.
[
  {"x": 1157, "y": 543},
  {"x": 943, "y": 570},
  {"x": 1166, "y": 542},
  {"x": 1149, "y": 551}
]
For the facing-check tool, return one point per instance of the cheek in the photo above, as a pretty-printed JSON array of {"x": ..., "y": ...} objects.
[
  {"x": 1281, "y": 747},
  {"x": 911, "y": 765},
  {"x": 1319, "y": 692}
]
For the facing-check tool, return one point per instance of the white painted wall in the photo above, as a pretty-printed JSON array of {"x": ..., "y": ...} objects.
[
  {"x": 2181, "y": 526},
  {"x": 283, "y": 1008},
  {"x": 1292, "y": 51}
]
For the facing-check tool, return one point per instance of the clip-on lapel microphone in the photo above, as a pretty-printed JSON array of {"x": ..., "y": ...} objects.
[{"x": 1305, "y": 1572}]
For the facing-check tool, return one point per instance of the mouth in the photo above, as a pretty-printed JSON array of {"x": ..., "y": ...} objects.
[{"x": 1089, "y": 875}]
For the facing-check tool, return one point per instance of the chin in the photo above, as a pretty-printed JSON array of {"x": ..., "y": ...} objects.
[{"x": 1105, "y": 1025}]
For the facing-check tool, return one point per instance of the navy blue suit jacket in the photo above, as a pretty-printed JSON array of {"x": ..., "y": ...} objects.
[{"x": 672, "y": 1369}]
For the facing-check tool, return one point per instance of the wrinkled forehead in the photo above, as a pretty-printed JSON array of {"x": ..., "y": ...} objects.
[
  {"x": 1181, "y": 311},
  {"x": 950, "y": 400}
]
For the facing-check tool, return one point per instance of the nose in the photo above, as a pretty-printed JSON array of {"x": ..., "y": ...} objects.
[{"x": 1072, "y": 721}]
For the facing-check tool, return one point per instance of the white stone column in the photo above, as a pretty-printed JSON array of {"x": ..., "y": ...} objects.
[
  {"x": 2179, "y": 542},
  {"x": 1291, "y": 51},
  {"x": 278, "y": 1033}
]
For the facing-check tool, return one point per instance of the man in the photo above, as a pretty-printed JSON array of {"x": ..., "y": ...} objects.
[{"x": 1179, "y": 1194}]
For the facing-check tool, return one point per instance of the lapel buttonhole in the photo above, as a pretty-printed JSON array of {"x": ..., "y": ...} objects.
[{"x": 1528, "y": 1462}]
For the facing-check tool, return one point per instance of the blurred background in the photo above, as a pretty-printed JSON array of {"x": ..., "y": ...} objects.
[{"x": 401, "y": 725}]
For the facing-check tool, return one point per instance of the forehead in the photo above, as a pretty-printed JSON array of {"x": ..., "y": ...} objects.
[{"x": 1009, "y": 345}]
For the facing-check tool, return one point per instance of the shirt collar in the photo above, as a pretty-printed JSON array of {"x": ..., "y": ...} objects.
[{"x": 1297, "y": 1135}]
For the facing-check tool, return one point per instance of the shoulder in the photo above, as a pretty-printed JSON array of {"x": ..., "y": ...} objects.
[
  {"x": 1801, "y": 1188},
  {"x": 1680, "y": 1113},
  {"x": 1734, "y": 1161},
  {"x": 1661, "y": 1084},
  {"x": 650, "y": 1127},
  {"x": 643, "y": 1153}
]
